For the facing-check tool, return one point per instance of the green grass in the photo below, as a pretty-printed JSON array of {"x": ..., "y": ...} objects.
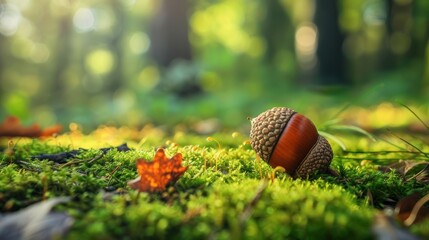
[{"x": 226, "y": 193}]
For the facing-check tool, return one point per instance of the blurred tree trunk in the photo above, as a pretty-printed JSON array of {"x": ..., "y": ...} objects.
[
  {"x": 276, "y": 29},
  {"x": 116, "y": 75},
  {"x": 330, "y": 43},
  {"x": 169, "y": 41},
  {"x": 169, "y": 33},
  {"x": 2, "y": 59},
  {"x": 401, "y": 18},
  {"x": 2, "y": 42},
  {"x": 386, "y": 60},
  {"x": 407, "y": 37},
  {"x": 61, "y": 61}
]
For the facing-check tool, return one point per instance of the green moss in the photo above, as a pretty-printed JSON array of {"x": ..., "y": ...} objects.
[
  {"x": 220, "y": 196},
  {"x": 384, "y": 189},
  {"x": 295, "y": 209}
]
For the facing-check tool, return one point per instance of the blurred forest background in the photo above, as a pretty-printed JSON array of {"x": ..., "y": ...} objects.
[{"x": 133, "y": 62}]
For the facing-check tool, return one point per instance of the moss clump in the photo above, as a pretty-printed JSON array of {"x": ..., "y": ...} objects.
[{"x": 286, "y": 209}]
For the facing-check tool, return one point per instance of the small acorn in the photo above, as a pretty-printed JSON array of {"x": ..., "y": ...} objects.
[{"x": 283, "y": 137}]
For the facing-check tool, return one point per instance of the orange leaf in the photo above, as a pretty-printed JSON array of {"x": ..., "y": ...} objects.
[
  {"x": 156, "y": 175},
  {"x": 11, "y": 127}
]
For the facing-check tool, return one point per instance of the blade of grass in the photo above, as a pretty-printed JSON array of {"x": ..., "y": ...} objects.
[
  {"x": 415, "y": 114},
  {"x": 353, "y": 129},
  {"x": 384, "y": 152},
  {"x": 344, "y": 108},
  {"x": 333, "y": 138},
  {"x": 410, "y": 144}
]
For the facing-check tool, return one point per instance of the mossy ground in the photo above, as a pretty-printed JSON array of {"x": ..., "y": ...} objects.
[{"x": 226, "y": 193}]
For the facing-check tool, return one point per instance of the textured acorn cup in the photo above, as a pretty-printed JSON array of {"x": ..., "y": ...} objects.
[{"x": 283, "y": 137}]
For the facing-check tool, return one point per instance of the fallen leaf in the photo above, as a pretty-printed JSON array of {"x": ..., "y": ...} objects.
[
  {"x": 156, "y": 175},
  {"x": 411, "y": 209},
  {"x": 409, "y": 169},
  {"x": 405, "y": 206},
  {"x": 11, "y": 127},
  {"x": 36, "y": 222}
]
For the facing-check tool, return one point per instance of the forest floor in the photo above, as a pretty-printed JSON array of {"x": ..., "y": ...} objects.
[{"x": 223, "y": 192}]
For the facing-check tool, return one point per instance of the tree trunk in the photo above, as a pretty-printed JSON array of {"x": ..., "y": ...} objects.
[
  {"x": 62, "y": 58},
  {"x": 330, "y": 42},
  {"x": 277, "y": 30},
  {"x": 115, "y": 43},
  {"x": 169, "y": 33}
]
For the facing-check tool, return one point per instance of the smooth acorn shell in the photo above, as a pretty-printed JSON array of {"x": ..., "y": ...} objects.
[
  {"x": 282, "y": 137},
  {"x": 296, "y": 141}
]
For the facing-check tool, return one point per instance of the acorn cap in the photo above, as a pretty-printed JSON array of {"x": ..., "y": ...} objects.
[
  {"x": 266, "y": 130},
  {"x": 318, "y": 159}
]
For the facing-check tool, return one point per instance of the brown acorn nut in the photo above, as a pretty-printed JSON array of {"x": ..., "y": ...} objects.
[{"x": 283, "y": 137}]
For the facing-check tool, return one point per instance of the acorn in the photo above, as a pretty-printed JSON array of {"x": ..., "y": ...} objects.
[{"x": 283, "y": 137}]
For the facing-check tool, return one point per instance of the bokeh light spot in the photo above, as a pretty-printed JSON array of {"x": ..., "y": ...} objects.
[
  {"x": 21, "y": 47},
  {"x": 374, "y": 13},
  {"x": 306, "y": 44},
  {"x": 224, "y": 23},
  {"x": 139, "y": 43},
  {"x": 306, "y": 39},
  {"x": 373, "y": 40},
  {"x": 40, "y": 53},
  {"x": 385, "y": 114},
  {"x": 10, "y": 18},
  {"x": 210, "y": 81},
  {"x": 84, "y": 20},
  {"x": 148, "y": 77},
  {"x": 16, "y": 104},
  {"x": 100, "y": 61},
  {"x": 123, "y": 101},
  {"x": 73, "y": 126}
]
